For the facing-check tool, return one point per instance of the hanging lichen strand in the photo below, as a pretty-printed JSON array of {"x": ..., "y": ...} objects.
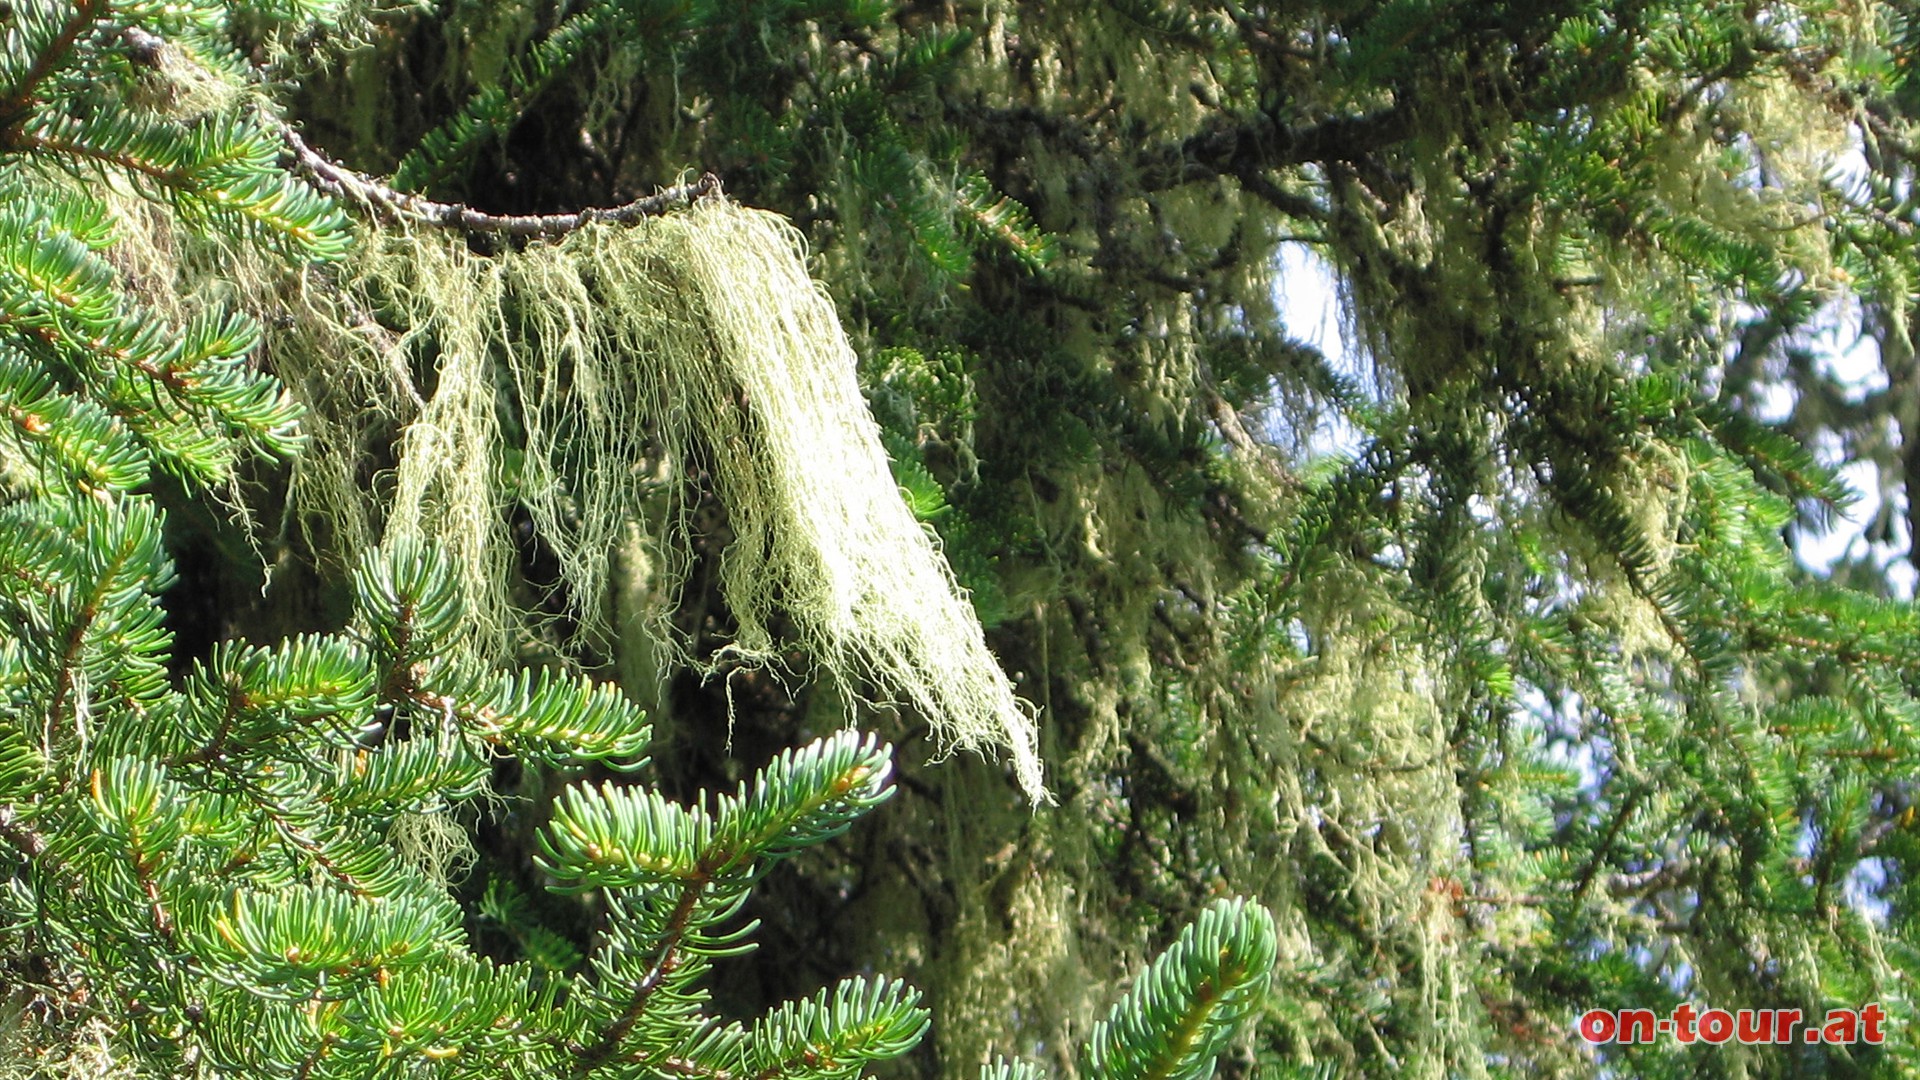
[{"x": 695, "y": 339}]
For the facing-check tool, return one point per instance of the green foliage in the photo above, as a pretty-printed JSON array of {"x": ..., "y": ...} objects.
[
  {"x": 226, "y": 865},
  {"x": 493, "y": 110},
  {"x": 82, "y": 355},
  {"x": 1481, "y": 655},
  {"x": 1521, "y": 663},
  {"x": 1202, "y": 987},
  {"x": 224, "y": 855}
]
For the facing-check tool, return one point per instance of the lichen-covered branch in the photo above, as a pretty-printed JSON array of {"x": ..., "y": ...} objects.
[{"x": 354, "y": 187}]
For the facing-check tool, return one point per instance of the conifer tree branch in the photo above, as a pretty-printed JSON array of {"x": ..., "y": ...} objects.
[
  {"x": 666, "y": 960},
  {"x": 170, "y": 176},
  {"x": 680, "y": 1066},
  {"x": 150, "y": 889},
  {"x": 15, "y": 105},
  {"x": 1250, "y": 149},
  {"x": 311, "y": 846},
  {"x": 67, "y": 681},
  {"x": 1669, "y": 874},
  {"x": 345, "y": 184},
  {"x": 1600, "y": 850}
]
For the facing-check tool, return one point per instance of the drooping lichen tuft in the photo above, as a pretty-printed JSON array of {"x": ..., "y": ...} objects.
[
  {"x": 566, "y": 375},
  {"x": 768, "y": 386}
]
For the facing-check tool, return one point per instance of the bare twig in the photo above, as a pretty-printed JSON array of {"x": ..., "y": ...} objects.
[
  {"x": 345, "y": 184},
  {"x": 1672, "y": 873}
]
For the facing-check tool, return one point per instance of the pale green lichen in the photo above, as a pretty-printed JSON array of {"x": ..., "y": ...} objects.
[{"x": 696, "y": 340}]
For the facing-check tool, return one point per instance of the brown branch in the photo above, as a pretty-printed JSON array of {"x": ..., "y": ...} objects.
[
  {"x": 350, "y": 186},
  {"x": 1871, "y": 836},
  {"x": 1585, "y": 878},
  {"x": 667, "y": 959},
  {"x": 679, "y": 1066},
  {"x": 1248, "y": 149},
  {"x": 156, "y": 904},
  {"x": 217, "y": 742},
  {"x": 1226, "y": 419},
  {"x": 1510, "y": 900},
  {"x": 1255, "y": 182},
  {"x": 163, "y": 174}
]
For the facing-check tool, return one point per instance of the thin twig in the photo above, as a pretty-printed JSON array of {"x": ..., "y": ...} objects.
[
  {"x": 345, "y": 184},
  {"x": 667, "y": 959}
]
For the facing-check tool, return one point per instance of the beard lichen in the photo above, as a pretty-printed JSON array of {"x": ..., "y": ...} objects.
[{"x": 564, "y": 376}]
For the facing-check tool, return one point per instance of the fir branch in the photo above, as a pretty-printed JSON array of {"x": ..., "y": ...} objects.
[
  {"x": 1586, "y": 875},
  {"x": 667, "y": 959},
  {"x": 150, "y": 889},
  {"x": 15, "y": 107},
  {"x": 62, "y": 142},
  {"x": 1189, "y": 1003},
  {"x": 366, "y": 873},
  {"x": 677, "y": 1066},
  {"x": 318, "y": 1054},
  {"x": 386, "y": 202},
  {"x": 129, "y": 560},
  {"x": 834, "y": 1035}
]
